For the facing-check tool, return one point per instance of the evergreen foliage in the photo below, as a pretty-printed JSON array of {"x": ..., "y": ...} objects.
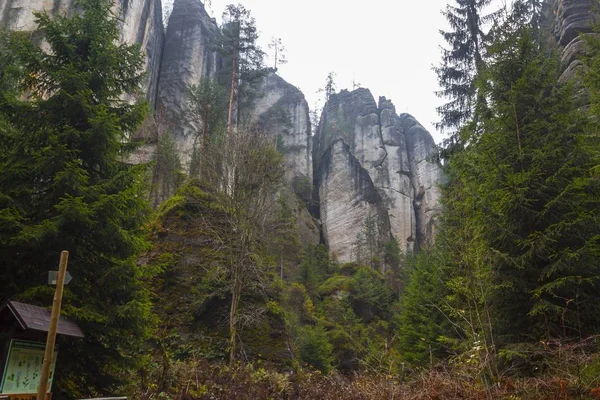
[
  {"x": 513, "y": 275},
  {"x": 243, "y": 67},
  {"x": 64, "y": 186},
  {"x": 463, "y": 63},
  {"x": 423, "y": 321},
  {"x": 207, "y": 103},
  {"x": 315, "y": 349},
  {"x": 515, "y": 262},
  {"x": 517, "y": 254},
  {"x": 530, "y": 173}
]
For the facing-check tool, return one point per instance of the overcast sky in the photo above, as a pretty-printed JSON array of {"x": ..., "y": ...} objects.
[{"x": 387, "y": 46}]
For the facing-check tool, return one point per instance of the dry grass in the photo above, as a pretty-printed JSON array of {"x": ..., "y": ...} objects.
[{"x": 205, "y": 381}]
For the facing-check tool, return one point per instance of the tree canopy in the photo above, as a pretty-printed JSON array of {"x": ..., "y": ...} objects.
[{"x": 65, "y": 186}]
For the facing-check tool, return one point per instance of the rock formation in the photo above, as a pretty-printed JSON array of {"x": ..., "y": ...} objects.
[
  {"x": 371, "y": 163},
  {"x": 571, "y": 18},
  {"x": 187, "y": 58},
  {"x": 282, "y": 111},
  {"x": 141, "y": 24},
  {"x": 366, "y": 165}
]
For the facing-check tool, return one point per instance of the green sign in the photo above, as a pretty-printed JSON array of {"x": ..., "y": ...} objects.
[{"x": 24, "y": 367}]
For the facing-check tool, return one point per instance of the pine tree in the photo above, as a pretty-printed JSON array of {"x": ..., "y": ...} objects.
[
  {"x": 65, "y": 187},
  {"x": 279, "y": 52},
  {"x": 9, "y": 63},
  {"x": 423, "y": 318},
  {"x": 330, "y": 86},
  {"x": 243, "y": 59}
]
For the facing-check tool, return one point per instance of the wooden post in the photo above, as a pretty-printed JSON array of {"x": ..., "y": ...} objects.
[{"x": 56, "y": 303}]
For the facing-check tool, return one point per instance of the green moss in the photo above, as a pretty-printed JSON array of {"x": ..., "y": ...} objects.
[
  {"x": 349, "y": 269},
  {"x": 334, "y": 284},
  {"x": 169, "y": 205}
]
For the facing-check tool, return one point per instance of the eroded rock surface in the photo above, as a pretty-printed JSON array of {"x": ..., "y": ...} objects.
[
  {"x": 348, "y": 198},
  {"x": 282, "y": 111},
  {"x": 425, "y": 177},
  {"x": 188, "y": 56},
  {"x": 371, "y": 163},
  {"x": 570, "y": 19}
]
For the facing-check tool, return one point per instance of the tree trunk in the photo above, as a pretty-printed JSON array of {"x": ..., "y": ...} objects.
[
  {"x": 234, "y": 61},
  {"x": 235, "y": 301},
  {"x": 236, "y": 293},
  {"x": 204, "y": 134}
]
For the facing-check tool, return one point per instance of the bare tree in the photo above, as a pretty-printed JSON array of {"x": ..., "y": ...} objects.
[
  {"x": 246, "y": 172},
  {"x": 279, "y": 52}
]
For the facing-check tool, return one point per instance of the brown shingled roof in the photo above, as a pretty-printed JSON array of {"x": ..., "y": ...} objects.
[{"x": 38, "y": 318}]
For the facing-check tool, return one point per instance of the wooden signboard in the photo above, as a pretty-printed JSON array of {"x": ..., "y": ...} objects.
[{"x": 23, "y": 369}]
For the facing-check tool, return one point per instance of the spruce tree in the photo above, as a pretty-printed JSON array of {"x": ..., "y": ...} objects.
[
  {"x": 206, "y": 108},
  {"x": 463, "y": 63},
  {"x": 423, "y": 319},
  {"x": 64, "y": 186},
  {"x": 529, "y": 189}
]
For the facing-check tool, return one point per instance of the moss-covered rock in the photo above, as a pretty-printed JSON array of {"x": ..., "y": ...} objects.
[{"x": 192, "y": 245}]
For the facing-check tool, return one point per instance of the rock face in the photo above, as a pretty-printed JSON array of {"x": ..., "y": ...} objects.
[
  {"x": 187, "y": 58},
  {"x": 570, "y": 19},
  {"x": 367, "y": 167},
  {"x": 141, "y": 24},
  {"x": 348, "y": 198},
  {"x": 371, "y": 164},
  {"x": 282, "y": 111}
]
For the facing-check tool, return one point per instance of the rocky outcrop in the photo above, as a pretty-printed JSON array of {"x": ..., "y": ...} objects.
[
  {"x": 425, "y": 174},
  {"x": 570, "y": 19},
  {"x": 188, "y": 56},
  {"x": 367, "y": 167},
  {"x": 141, "y": 23},
  {"x": 282, "y": 112},
  {"x": 371, "y": 163},
  {"x": 348, "y": 198}
]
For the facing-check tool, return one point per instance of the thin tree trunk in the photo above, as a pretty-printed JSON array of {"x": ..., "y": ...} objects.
[
  {"x": 234, "y": 62},
  {"x": 204, "y": 134},
  {"x": 235, "y": 301}
]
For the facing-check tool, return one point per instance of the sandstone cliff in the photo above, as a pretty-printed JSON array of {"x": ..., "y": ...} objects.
[
  {"x": 366, "y": 164},
  {"x": 282, "y": 111},
  {"x": 571, "y": 18},
  {"x": 371, "y": 164},
  {"x": 187, "y": 58}
]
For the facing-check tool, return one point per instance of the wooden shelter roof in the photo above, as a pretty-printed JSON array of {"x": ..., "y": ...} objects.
[{"x": 37, "y": 318}]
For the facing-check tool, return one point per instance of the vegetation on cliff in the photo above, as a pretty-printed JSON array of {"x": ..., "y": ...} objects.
[{"x": 214, "y": 295}]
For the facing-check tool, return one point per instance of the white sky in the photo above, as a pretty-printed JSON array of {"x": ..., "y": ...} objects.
[{"x": 388, "y": 46}]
